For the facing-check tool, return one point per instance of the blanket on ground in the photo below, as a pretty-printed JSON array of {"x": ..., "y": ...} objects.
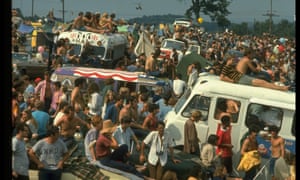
[{"x": 81, "y": 167}]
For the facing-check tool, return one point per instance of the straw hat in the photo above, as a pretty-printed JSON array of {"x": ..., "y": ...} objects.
[{"x": 108, "y": 127}]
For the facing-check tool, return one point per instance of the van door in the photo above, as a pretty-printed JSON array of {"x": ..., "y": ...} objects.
[
  {"x": 202, "y": 103},
  {"x": 233, "y": 107}
]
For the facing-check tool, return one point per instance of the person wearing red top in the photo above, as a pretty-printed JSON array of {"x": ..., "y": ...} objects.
[
  {"x": 224, "y": 143},
  {"x": 150, "y": 122},
  {"x": 118, "y": 158}
]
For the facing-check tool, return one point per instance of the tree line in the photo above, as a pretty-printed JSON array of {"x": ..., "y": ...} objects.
[{"x": 283, "y": 28}]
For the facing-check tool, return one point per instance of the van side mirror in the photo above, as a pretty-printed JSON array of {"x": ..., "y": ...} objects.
[{"x": 186, "y": 114}]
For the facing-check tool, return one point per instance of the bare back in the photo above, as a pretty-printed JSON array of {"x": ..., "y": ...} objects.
[
  {"x": 78, "y": 23},
  {"x": 244, "y": 64},
  {"x": 77, "y": 98},
  {"x": 150, "y": 64}
]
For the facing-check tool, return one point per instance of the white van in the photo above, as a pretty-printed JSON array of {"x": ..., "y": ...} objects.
[
  {"x": 108, "y": 47},
  {"x": 185, "y": 22},
  {"x": 269, "y": 107},
  {"x": 167, "y": 46}
]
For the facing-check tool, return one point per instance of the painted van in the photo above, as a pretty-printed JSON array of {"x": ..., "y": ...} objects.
[
  {"x": 267, "y": 106},
  {"x": 108, "y": 47}
]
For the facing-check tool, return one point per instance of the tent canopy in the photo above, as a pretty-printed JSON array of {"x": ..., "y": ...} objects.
[{"x": 189, "y": 59}]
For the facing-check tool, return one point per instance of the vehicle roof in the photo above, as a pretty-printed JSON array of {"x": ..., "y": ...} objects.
[
  {"x": 182, "y": 18},
  {"x": 212, "y": 83},
  {"x": 173, "y": 41},
  {"x": 101, "y": 73},
  {"x": 170, "y": 39},
  {"x": 80, "y": 37}
]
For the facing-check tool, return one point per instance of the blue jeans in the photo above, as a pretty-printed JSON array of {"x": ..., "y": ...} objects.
[
  {"x": 46, "y": 174},
  {"x": 262, "y": 75},
  {"x": 272, "y": 165}
]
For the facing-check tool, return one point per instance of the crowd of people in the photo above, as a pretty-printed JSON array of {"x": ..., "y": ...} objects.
[
  {"x": 46, "y": 119},
  {"x": 52, "y": 117}
]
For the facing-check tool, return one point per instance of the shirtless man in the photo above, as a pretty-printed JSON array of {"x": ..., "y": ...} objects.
[
  {"x": 246, "y": 66},
  {"x": 76, "y": 95},
  {"x": 151, "y": 66},
  {"x": 222, "y": 109},
  {"x": 277, "y": 148},
  {"x": 79, "y": 24},
  {"x": 246, "y": 63},
  {"x": 126, "y": 110},
  {"x": 69, "y": 124}
]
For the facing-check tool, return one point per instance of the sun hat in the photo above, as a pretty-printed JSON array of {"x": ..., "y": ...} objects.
[{"x": 108, "y": 127}]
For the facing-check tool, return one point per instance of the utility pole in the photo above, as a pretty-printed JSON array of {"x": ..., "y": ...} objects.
[
  {"x": 270, "y": 14},
  {"x": 63, "y": 10},
  {"x": 32, "y": 7}
]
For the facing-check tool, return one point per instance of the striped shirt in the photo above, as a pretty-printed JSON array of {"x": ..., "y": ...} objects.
[{"x": 230, "y": 72}]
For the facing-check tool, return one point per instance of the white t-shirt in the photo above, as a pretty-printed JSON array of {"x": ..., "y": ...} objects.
[
  {"x": 178, "y": 86},
  {"x": 95, "y": 104}
]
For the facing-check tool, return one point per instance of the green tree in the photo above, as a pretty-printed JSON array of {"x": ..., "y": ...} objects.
[
  {"x": 284, "y": 28},
  {"x": 241, "y": 28},
  {"x": 215, "y": 9}
]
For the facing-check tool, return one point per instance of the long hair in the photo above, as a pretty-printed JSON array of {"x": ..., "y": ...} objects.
[{"x": 31, "y": 118}]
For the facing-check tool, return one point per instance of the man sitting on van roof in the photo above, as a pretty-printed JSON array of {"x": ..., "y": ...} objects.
[{"x": 230, "y": 74}]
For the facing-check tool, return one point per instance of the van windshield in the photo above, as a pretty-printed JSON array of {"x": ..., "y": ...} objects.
[
  {"x": 98, "y": 51},
  {"x": 182, "y": 100},
  {"x": 173, "y": 44}
]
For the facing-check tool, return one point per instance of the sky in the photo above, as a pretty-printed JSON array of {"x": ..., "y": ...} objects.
[{"x": 242, "y": 10}]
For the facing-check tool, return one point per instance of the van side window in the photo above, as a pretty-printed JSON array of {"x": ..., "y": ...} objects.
[
  {"x": 294, "y": 125},
  {"x": 76, "y": 48},
  {"x": 227, "y": 106},
  {"x": 264, "y": 116},
  {"x": 98, "y": 50},
  {"x": 201, "y": 103}
]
